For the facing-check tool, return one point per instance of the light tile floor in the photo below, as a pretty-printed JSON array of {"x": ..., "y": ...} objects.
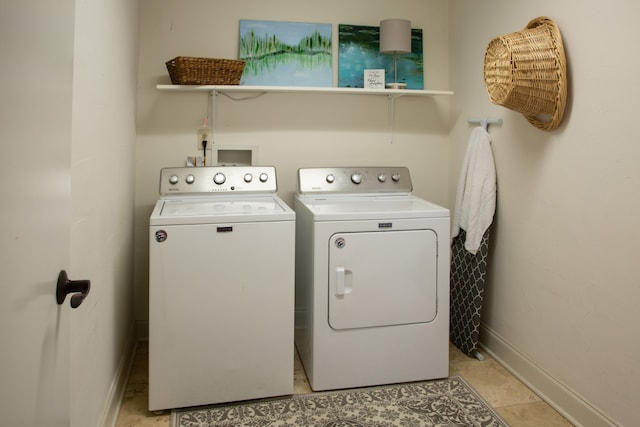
[{"x": 518, "y": 405}]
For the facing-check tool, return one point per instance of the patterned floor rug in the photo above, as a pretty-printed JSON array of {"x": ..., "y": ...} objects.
[{"x": 447, "y": 402}]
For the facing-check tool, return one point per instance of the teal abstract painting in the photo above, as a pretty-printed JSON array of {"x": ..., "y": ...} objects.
[{"x": 359, "y": 49}]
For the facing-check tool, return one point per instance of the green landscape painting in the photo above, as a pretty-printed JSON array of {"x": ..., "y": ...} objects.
[{"x": 286, "y": 53}]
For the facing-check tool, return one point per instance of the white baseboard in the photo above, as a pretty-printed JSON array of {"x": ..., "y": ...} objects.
[
  {"x": 119, "y": 384},
  {"x": 564, "y": 400}
]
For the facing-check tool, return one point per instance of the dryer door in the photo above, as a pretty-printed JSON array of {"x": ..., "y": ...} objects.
[{"x": 382, "y": 278}]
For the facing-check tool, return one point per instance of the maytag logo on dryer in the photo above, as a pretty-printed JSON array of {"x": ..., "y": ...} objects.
[{"x": 385, "y": 225}]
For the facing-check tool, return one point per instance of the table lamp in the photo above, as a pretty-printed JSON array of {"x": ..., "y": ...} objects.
[{"x": 395, "y": 37}]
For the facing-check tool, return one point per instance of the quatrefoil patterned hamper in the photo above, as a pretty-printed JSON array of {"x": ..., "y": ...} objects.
[{"x": 468, "y": 272}]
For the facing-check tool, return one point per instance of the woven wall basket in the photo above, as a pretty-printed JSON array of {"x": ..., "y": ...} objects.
[{"x": 526, "y": 71}]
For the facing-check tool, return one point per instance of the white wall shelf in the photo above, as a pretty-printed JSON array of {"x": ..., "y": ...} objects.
[
  {"x": 256, "y": 91},
  {"x": 294, "y": 89}
]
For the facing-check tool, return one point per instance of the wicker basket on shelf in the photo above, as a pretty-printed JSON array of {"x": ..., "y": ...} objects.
[
  {"x": 526, "y": 71},
  {"x": 187, "y": 70}
]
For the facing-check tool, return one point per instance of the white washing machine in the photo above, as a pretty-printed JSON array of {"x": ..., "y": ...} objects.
[
  {"x": 372, "y": 279},
  {"x": 221, "y": 287}
]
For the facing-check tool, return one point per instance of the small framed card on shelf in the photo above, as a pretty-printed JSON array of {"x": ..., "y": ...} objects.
[{"x": 374, "y": 79}]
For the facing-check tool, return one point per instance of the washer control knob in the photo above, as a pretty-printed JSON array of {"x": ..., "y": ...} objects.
[
  {"x": 248, "y": 177},
  {"x": 219, "y": 178},
  {"x": 263, "y": 177},
  {"x": 190, "y": 179},
  {"x": 395, "y": 177},
  {"x": 173, "y": 179},
  {"x": 382, "y": 177},
  {"x": 356, "y": 178},
  {"x": 330, "y": 178}
]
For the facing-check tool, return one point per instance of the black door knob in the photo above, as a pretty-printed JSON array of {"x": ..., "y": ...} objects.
[{"x": 79, "y": 289}]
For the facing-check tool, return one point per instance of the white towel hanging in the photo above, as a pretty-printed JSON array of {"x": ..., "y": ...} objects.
[{"x": 476, "y": 194}]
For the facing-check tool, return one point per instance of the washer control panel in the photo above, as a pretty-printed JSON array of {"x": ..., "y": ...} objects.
[
  {"x": 218, "y": 179},
  {"x": 381, "y": 179}
]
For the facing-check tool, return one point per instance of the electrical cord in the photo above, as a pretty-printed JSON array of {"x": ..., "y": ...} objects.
[{"x": 204, "y": 152}]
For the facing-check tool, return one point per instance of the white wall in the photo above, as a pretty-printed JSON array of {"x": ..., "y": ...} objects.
[
  {"x": 563, "y": 295},
  {"x": 102, "y": 187},
  {"x": 290, "y": 130}
]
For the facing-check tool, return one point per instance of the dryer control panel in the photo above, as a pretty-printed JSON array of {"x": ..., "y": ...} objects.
[
  {"x": 218, "y": 179},
  {"x": 370, "y": 180}
]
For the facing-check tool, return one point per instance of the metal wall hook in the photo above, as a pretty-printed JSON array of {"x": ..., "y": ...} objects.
[
  {"x": 80, "y": 289},
  {"x": 485, "y": 122}
]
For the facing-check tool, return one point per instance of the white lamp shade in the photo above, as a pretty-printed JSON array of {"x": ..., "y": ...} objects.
[{"x": 395, "y": 36}]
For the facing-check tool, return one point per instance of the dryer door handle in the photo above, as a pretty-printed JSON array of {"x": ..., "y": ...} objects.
[{"x": 344, "y": 281}]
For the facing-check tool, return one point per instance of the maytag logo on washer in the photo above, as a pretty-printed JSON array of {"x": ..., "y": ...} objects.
[
  {"x": 340, "y": 242},
  {"x": 161, "y": 236}
]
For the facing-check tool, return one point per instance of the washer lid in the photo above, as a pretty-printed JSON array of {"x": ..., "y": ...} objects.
[
  {"x": 217, "y": 207},
  {"x": 336, "y": 208},
  {"x": 191, "y": 210}
]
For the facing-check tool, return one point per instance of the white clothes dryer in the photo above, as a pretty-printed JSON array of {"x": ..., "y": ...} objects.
[
  {"x": 372, "y": 279},
  {"x": 221, "y": 287}
]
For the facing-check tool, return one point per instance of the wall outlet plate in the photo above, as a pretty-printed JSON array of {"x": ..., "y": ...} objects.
[{"x": 204, "y": 134}]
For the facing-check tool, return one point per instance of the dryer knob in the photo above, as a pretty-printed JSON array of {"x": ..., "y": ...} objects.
[
  {"x": 382, "y": 177},
  {"x": 356, "y": 178},
  {"x": 190, "y": 179},
  {"x": 263, "y": 177},
  {"x": 395, "y": 177},
  {"x": 173, "y": 179},
  {"x": 219, "y": 178},
  {"x": 248, "y": 177},
  {"x": 331, "y": 179}
]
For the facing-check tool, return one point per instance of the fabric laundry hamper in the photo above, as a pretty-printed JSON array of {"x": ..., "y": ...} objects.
[{"x": 468, "y": 272}]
